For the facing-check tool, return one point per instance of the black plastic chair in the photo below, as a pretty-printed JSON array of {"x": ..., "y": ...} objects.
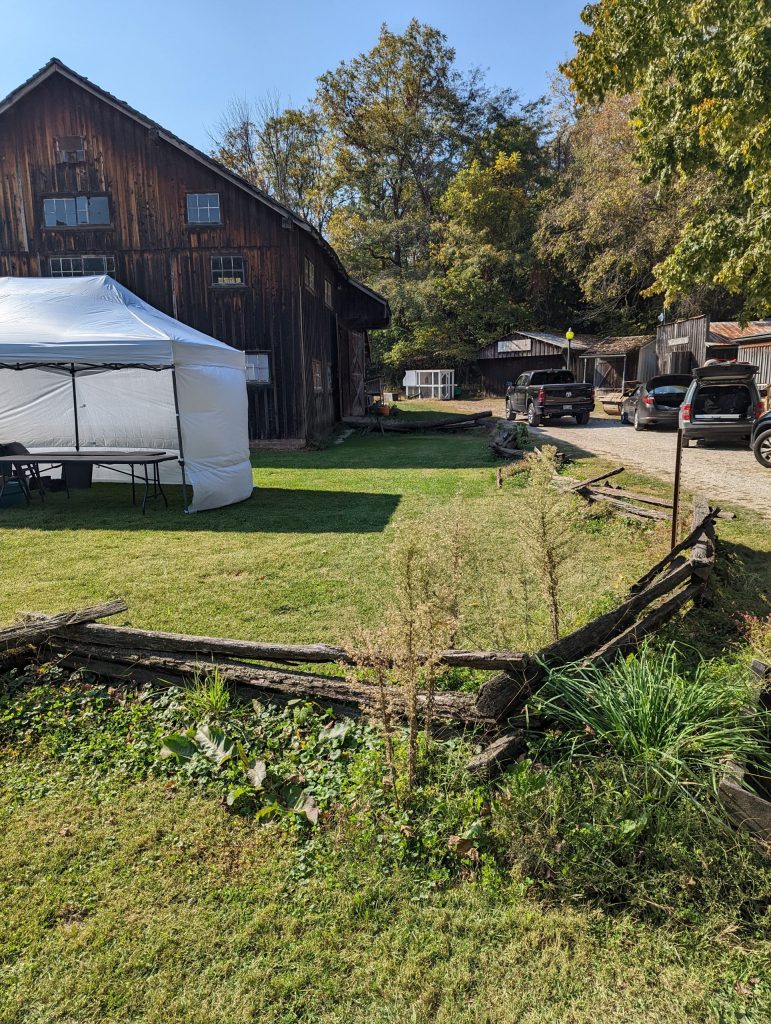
[{"x": 22, "y": 472}]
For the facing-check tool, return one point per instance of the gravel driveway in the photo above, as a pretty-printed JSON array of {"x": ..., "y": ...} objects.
[{"x": 722, "y": 474}]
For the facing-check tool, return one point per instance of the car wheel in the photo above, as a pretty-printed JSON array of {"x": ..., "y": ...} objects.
[
  {"x": 762, "y": 449},
  {"x": 582, "y": 418},
  {"x": 637, "y": 424},
  {"x": 533, "y": 417},
  {"x": 510, "y": 414}
]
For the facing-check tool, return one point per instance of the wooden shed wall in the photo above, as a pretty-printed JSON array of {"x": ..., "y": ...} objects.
[
  {"x": 163, "y": 259},
  {"x": 497, "y": 368},
  {"x": 759, "y": 355},
  {"x": 682, "y": 358}
]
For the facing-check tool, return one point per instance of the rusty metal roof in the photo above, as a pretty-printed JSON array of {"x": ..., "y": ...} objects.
[{"x": 728, "y": 332}]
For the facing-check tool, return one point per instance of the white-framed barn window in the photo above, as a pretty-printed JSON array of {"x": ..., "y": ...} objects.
[
  {"x": 203, "y": 208},
  {"x": 228, "y": 270},
  {"x": 258, "y": 367},
  {"x": 81, "y": 266},
  {"x": 74, "y": 211}
]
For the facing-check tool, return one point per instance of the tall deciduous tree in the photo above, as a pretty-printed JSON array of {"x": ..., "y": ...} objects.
[
  {"x": 283, "y": 152},
  {"x": 702, "y": 72}
]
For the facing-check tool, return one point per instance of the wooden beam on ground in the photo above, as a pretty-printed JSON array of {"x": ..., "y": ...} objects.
[
  {"x": 596, "y": 479},
  {"x": 501, "y": 752},
  {"x": 181, "y": 643},
  {"x": 388, "y": 425},
  {"x": 38, "y": 629},
  {"x": 620, "y": 492},
  {"x": 623, "y": 508},
  {"x": 269, "y": 683}
]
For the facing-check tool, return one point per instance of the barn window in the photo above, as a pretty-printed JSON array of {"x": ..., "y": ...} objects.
[
  {"x": 74, "y": 211},
  {"x": 203, "y": 208},
  {"x": 81, "y": 266},
  {"x": 258, "y": 367},
  {"x": 310, "y": 275},
  {"x": 328, "y": 294},
  {"x": 318, "y": 385},
  {"x": 70, "y": 149},
  {"x": 228, "y": 270}
]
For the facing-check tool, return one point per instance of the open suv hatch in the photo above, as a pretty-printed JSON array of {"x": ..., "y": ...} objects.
[{"x": 721, "y": 404}]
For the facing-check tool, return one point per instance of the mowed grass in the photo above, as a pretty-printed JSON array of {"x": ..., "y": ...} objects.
[
  {"x": 303, "y": 559},
  {"x": 140, "y": 903}
]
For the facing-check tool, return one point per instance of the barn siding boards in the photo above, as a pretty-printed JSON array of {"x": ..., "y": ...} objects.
[
  {"x": 146, "y": 174},
  {"x": 759, "y": 355},
  {"x": 682, "y": 344}
]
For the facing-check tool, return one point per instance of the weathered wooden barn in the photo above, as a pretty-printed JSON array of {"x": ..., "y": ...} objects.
[
  {"x": 683, "y": 344},
  {"x": 502, "y": 361},
  {"x": 88, "y": 185},
  {"x": 611, "y": 362}
]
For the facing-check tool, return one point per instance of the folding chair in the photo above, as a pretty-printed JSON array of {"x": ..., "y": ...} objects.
[{"x": 22, "y": 472}]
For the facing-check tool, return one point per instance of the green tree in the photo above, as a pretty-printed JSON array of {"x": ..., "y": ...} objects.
[
  {"x": 283, "y": 152},
  {"x": 701, "y": 70}
]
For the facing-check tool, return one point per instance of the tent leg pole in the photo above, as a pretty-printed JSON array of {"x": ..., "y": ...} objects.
[
  {"x": 179, "y": 439},
  {"x": 75, "y": 408}
]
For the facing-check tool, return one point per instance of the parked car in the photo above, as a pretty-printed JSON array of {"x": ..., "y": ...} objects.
[
  {"x": 761, "y": 440},
  {"x": 721, "y": 404},
  {"x": 655, "y": 402},
  {"x": 547, "y": 395}
]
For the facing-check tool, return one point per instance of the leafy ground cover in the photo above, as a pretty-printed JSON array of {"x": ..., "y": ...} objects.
[{"x": 160, "y": 858}]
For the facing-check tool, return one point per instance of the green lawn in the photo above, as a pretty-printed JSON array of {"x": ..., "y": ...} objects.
[
  {"x": 137, "y": 903},
  {"x": 300, "y": 560},
  {"x": 125, "y": 899}
]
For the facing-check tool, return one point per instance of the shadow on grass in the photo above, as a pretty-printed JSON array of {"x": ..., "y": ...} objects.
[{"x": 268, "y": 510}]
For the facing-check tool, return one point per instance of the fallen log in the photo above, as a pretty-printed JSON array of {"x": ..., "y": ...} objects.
[
  {"x": 271, "y": 684},
  {"x": 179, "y": 643},
  {"x": 596, "y": 479},
  {"x": 508, "y": 453},
  {"x": 38, "y": 629},
  {"x": 386, "y": 424}
]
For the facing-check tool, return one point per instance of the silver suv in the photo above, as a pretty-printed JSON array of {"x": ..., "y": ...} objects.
[{"x": 721, "y": 404}]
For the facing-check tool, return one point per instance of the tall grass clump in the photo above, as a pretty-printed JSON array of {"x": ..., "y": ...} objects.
[{"x": 672, "y": 734}]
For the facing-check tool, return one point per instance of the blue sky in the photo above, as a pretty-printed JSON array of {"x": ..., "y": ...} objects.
[{"x": 180, "y": 61}]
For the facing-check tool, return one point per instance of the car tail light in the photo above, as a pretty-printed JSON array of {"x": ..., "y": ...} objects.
[
  {"x": 760, "y": 409},
  {"x": 685, "y": 412},
  {"x": 649, "y": 400},
  {"x": 541, "y": 396}
]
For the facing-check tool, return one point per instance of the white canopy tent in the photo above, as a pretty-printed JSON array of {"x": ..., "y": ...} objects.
[{"x": 103, "y": 368}]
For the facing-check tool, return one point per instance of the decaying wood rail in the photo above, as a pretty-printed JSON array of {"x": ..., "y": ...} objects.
[
  {"x": 143, "y": 656},
  {"x": 385, "y": 423}
]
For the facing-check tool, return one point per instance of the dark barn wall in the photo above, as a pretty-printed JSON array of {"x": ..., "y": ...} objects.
[
  {"x": 496, "y": 373},
  {"x": 166, "y": 261}
]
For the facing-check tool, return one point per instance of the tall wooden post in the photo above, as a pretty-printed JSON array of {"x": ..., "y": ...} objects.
[{"x": 676, "y": 494}]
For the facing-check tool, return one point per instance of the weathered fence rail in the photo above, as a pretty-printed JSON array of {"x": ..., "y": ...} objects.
[{"x": 499, "y": 708}]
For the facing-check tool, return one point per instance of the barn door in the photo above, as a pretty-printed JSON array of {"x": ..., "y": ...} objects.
[{"x": 358, "y": 357}]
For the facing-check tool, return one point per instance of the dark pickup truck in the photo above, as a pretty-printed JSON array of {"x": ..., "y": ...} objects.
[{"x": 549, "y": 394}]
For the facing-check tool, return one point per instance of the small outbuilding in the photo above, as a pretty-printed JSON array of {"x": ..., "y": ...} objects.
[
  {"x": 86, "y": 364},
  {"x": 504, "y": 360},
  {"x": 614, "y": 361}
]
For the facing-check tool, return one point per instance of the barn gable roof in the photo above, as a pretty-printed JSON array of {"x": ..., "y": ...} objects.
[{"x": 57, "y": 67}]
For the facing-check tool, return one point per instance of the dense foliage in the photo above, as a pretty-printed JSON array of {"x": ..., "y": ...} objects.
[{"x": 643, "y": 185}]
